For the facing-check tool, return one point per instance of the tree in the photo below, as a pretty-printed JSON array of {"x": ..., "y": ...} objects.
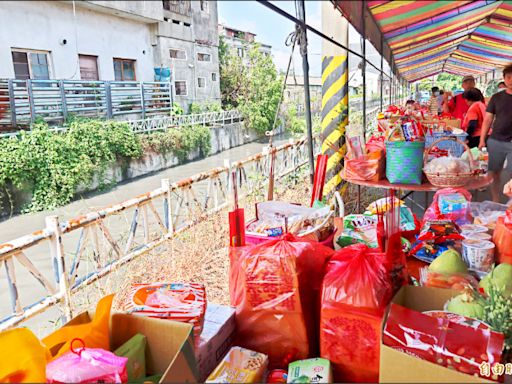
[{"x": 253, "y": 86}]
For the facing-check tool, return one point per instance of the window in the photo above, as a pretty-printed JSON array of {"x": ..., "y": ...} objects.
[
  {"x": 201, "y": 82},
  {"x": 124, "y": 69},
  {"x": 88, "y": 67},
  {"x": 31, "y": 65},
  {"x": 166, "y": 4},
  {"x": 204, "y": 6},
  {"x": 204, "y": 57},
  {"x": 181, "y": 87},
  {"x": 240, "y": 52},
  {"x": 214, "y": 76},
  {"x": 178, "y": 54}
]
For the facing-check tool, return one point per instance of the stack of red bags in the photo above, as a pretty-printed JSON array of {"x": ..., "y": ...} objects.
[{"x": 183, "y": 302}]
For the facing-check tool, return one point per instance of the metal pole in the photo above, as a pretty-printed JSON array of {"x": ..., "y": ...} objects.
[
  {"x": 363, "y": 5},
  {"x": 31, "y": 101},
  {"x": 305, "y": 69},
  {"x": 12, "y": 102},
  {"x": 381, "y": 72},
  {"x": 108, "y": 99},
  {"x": 63, "y": 100}
]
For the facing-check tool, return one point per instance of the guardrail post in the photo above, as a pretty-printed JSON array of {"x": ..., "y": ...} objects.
[
  {"x": 166, "y": 186},
  {"x": 63, "y": 100},
  {"x": 142, "y": 102},
  {"x": 12, "y": 102},
  {"x": 108, "y": 99},
  {"x": 31, "y": 101},
  {"x": 57, "y": 251}
]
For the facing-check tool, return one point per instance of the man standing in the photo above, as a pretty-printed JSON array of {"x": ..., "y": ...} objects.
[
  {"x": 499, "y": 116},
  {"x": 457, "y": 106}
]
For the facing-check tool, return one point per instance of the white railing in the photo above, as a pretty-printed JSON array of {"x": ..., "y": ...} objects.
[{"x": 87, "y": 248}]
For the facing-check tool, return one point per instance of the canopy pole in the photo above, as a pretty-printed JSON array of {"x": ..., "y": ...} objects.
[
  {"x": 305, "y": 69},
  {"x": 381, "y": 73},
  {"x": 335, "y": 111}
]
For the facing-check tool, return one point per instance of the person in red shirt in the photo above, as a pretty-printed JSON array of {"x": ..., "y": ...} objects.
[
  {"x": 457, "y": 106},
  {"x": 474, "y": 117}
]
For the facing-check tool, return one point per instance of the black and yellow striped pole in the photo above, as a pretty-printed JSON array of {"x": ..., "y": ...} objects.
[{"x": 334, "y": 95}]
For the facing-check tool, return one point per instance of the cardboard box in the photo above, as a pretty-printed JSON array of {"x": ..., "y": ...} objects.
[
  {"x": 398, "y": 367},
  {"x": 216, "y": 338},
  {"x": 169, "y": 349}
]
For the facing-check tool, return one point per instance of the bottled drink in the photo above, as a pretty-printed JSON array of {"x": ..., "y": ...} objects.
[{"x": 484, "y": 160}]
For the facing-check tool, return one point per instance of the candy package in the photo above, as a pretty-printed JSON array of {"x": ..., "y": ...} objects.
[
  {"x": 240, "y": 366},
  {"x": 184, "y": 302},
  {"x": 439, "y": 231},
  {"x": 359, "y": 229},
  {"x": 383, "y": 205},
  {"x": 87, "y": 365},
  {"x": 450, "y": 204}
]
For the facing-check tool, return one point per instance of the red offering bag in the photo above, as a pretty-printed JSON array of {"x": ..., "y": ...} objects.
[
  {"x": 442, "y": 341},
  {"x": 502, "y": 238},
  {"x": 275, "y": 287},
  {"x": 355, "y": 292}
]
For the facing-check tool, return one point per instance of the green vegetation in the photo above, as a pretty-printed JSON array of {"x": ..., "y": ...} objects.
[
  {"x": 212, "y": 106},
  {"x": 252, "y": 86},
  {"x": 52, "y": 165}
]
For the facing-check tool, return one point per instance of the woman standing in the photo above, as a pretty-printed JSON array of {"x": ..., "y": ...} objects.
[{"x": 474, "y": 117}]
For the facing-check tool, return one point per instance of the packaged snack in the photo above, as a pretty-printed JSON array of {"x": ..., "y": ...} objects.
[
  {"x": 383, "y": 205},
  {"x": 442, "y": 341},
  {"x": 487, "y": 213},
  {"x": 316, "y": 370},
  {"x": 474, "y": 228},
  {"x": 450, "y": 204},
  {"x": 184, "y": 302},
  {"x": 87, "y": 365},
  {"x": 359, "y": 229},
  {"x": 135, "y": 350},
  {"x": 240, "y": 366},
  {"x": 428, "y": 251},
  {"x": 458, "y": 281},
  {"x": 355, "y": 292},
  {"x": 439, "y": 231},
  {"x": 476, "y": 236}
]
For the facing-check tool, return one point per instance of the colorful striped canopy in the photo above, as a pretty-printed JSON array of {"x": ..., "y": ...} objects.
[{"x": 458, "y": 37}]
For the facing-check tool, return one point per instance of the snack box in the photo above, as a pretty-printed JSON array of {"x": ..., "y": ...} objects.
[
  {"x": 216, "y": 338},
  {"x": 316, "y": 370},
  {"x": 240, "y": 366}
]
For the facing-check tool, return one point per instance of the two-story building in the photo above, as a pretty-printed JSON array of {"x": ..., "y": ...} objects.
[
  {"x": 239, "y": 41},
  {"x": 113, "y": 40}
]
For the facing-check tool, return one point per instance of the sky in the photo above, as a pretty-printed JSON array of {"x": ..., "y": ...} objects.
[{"x": 272, "y": 29}]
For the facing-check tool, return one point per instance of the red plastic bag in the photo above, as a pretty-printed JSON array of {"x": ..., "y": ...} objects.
[
  {"x": 355, "y": 293},
  {"x": 375, "y": 144},
  {"x": 275, "y": 287},
  {"x": 502, "y": 238},
  {"x": 441, "y": 341},
  {"x": 368, "y": 168},
  {"x": 446, "y": 207}
]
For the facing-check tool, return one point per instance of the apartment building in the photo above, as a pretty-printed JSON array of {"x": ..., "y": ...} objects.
[
  {"x": 113, "y": 40},
  {"x": 239, "y": 41}
]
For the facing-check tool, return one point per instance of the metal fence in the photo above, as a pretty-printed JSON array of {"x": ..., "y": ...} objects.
[
  {"x": 89, "y": 247},
  {"x": 22, "y": 101}
]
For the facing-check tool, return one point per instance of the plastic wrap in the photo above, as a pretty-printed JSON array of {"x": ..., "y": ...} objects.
[
  {"x": 87, "y": 365},
  {"x": 502, "y": 239},
  {"x": 441, "y": 341},
  {"x": 184, "y": 302},
  {"x": 458, "y": 281},
  {"x": 359, "y": 229},
  {"x": 368, "y": 168},
  {"x": 450, "y": 204},
  {"x": 448, "y": 164},
  {"x": 355, "y": 293},
  {"x": 275, "y": 288},
  {"x": 240, "y": 366},
  {"x": 487, "y": 213}
]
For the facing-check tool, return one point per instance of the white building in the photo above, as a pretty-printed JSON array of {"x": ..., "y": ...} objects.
[
  {"x": 113, "y": 40},
  {"x": 239, "y": 41}
]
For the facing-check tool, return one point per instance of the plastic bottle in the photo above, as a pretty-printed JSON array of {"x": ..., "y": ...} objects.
[{"x": 484, "y": 160}]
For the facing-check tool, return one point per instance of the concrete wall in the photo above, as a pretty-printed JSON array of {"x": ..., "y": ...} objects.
[
  {"x": 150, "y": 11},
  {"x": 41, "y": 25},
  {"x": 222, "y": 138}
]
